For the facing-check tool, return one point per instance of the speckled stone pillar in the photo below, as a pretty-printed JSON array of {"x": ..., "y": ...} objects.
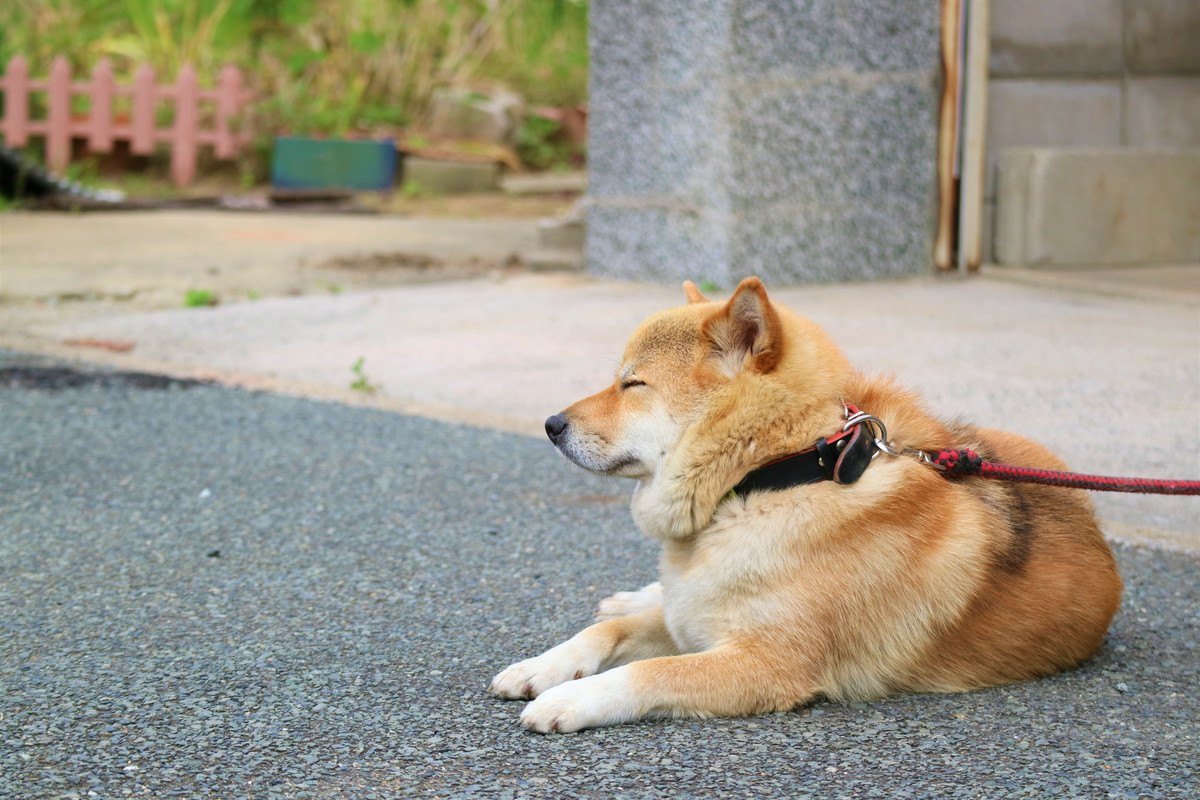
[{"x": 790, "y": 139}]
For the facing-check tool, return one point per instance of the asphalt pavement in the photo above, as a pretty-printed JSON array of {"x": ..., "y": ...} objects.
[{"x": 208, "y": 592}]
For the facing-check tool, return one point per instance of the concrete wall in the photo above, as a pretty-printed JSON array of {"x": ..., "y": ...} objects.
[
  {"x": 1092, "y": 73},
  {"x": 792, "y": 139}
]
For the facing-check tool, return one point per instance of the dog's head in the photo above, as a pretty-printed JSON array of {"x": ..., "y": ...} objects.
[{"x": 672, "y": 374}]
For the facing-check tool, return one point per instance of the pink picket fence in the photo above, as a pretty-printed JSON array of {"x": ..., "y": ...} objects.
[{"x": 101, "y": 127}]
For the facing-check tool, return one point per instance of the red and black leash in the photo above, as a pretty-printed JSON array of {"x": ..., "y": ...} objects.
[{"x": 966, "y": 463}]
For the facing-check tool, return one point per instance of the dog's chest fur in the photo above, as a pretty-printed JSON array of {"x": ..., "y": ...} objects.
[{"x": 727, "y": 578}]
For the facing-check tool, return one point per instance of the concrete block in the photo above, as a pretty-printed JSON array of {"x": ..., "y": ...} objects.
[
  {"x": 827, "y": 243},
  {"x": 1085, "y": 206},
  {"x": 461, "y": 114},
  {"x": 451, "y": 177},
  {"x": 799, "y": 38},
  {"x": 1014, "y": 170},
  {"x": 785, "y": 39},
  {"x": 1163, "y": 112},
  {"x": 1036, "y": 37},
  {"x": 562, "y": 234},
  {"x": 691, "y": 47},
  {"x": 535, "y": 183},
  {"x": 623, "y": 143},
  {"x": 801, "y": 131},
  {"x": 653, "y": 242},
  {"x": 694, "y": 132},
  {"x": 987, "y": 233},
  {"x": 896, "y": 36},
  {"x": 1051, "y": 113},
  {"x": 837, "y": 140},
  {"x": 1163, "y": 36}
]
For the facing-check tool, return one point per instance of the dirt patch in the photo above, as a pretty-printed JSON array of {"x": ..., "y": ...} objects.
[
  {"x": 379, "y": 262},
  {"x": 403, "y": 267},
  {"x": 59, "y": 378}
]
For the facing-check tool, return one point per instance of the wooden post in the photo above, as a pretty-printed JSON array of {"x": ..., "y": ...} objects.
[
  {"x": 183, "y": 134},
  {"x": 974, "y": 156},
  {"x": 16, "y": 102},
  {"x": 141, "y": 142},
  {"x": 58, "y": 118},
  {"x": 229, "y": 98},
  {"x": 944, "y": 241},
  {"x": 100, "y": 115}
]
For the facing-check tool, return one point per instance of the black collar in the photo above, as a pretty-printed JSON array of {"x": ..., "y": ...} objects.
[{"x": 842, "y": 457}]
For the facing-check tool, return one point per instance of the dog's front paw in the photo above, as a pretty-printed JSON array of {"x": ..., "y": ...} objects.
[
  {"x": 589, "y": 703},
  {"x": 529, "y": 678},
  {"x": 624, "y": 603}
]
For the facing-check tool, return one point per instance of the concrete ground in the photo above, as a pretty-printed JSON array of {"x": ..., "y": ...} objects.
[
  {"x": 214, "y": 592},
  {"x": 149, "y": 259},
  {"x": 207, "y": 592}
]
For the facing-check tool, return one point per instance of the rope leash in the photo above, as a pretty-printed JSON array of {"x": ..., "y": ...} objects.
[{"x": 967, "y": 463}]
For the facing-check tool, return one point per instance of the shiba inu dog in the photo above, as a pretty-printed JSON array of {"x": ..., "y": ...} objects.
[{"x": 870, "y": 576}]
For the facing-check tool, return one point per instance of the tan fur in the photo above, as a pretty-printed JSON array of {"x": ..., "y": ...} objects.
[{"x": 903, "y": 581}]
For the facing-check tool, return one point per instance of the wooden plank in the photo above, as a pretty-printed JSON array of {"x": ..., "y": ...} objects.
[
  {"x": 16, "y": 102},
  {"x": 184, "y": 147},
  {"x": 58, "y": 117},
  {"x": 100, "y": 115},
  {"x": 974, "y": 156},
  {"x": 948, "y": 120},
  {"x": 142, "y": 141},
  {"x": 228, "y": 98}
]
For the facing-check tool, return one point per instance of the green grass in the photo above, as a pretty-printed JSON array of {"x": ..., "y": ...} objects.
[
  {"x": 361, "y": 382},
  {"x": 320, "y": 66},
  {"x": 199, "y": 298}
]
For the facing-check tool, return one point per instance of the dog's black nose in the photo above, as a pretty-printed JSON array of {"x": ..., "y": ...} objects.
[{"x": 555, "y": 426}]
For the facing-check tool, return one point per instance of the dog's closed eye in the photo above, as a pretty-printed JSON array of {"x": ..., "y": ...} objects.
[{"x": 630, "y": 383}]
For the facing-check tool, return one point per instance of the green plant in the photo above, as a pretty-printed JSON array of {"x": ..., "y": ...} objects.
[
  {"x": 197, "y": 298},
  {"x": 539, "y": 145},
  {"x": 253, "y": 294},
  {"x": 86, "y": 171},
  {"x": 412, "y": 190},
  {"x": 361, "y": 382},
  {"x": 708, "y": 286}
]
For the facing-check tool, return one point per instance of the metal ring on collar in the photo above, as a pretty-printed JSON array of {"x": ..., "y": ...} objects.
[{"x": 877, "y": 427}]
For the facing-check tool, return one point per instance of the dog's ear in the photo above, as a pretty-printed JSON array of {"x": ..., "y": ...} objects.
[
  {"x": 693, "y": 294},
  {"x": 747, "y": 332}
]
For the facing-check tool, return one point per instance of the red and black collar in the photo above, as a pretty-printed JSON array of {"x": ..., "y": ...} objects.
[{"x": 842, "y": 458}]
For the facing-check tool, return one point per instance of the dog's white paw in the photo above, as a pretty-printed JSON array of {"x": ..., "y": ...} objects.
[
  {"x": 624, "y": 603},
  {"x": 529, "y": 678},
  {"x": 588, "y": 703}
]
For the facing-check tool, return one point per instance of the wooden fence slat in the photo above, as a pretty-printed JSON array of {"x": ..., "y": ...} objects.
[
  {"x": 228, "y": 97},
  {"x": 16, "y": 102},
  {"x": 58, "y": 117},
  {"x": 142, "y": 141},
  {"x": 187, "y": 116},
  {"x": 100, "y": 115}
]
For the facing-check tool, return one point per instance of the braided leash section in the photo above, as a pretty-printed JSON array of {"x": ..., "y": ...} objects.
[{"x": 964, "y": 463}]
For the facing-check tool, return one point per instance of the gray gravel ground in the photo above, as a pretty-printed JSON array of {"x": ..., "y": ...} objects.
[{"x": 212, "y": 593}]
